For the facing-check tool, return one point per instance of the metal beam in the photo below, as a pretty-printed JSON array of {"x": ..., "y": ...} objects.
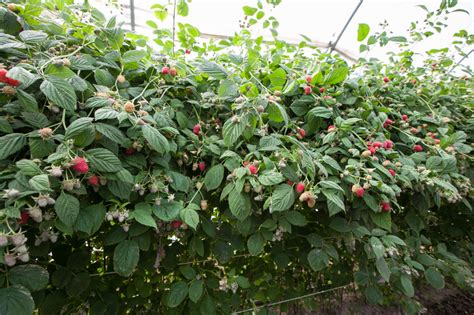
[
  {"x": 132, "y": 14},
  {"x": 332, "y": 46}
]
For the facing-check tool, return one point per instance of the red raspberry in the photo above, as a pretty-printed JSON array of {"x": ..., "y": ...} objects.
[
  {"x": 322, "y": 90},
  {"x": 388, "y": 144},
  {"x": 360, "y": 192},
  {"x": 253, "y": 169},
  {"x": 386, "y": 79},
  {"x": 165, "y": 70},
  {"x": 187, "y": 51},
  {"x": 289, "y": 182},
  {"x": 129, "y": 151},
  {"x": 302, "y": 133},
  {"x": 12, "y": 82},
  {"x": 377, "y": 144},
  {"x": 417, "y": 148},
  {"x": 392, "y": 172},
  {"x": 387, "y": 123},
  {"x": 307, "y": 90},
  {"x": 331, "y": 128},
  {"x": 308, "y": 78},
  {"x": 24, "y": 217},
  {"x": 414, "y": 130},
  {"x": 93, "y": 180},
  {"x": 372, "y": 150},
  {"x": 80, "y": 165},
  {"x": 176, "y": 224},
  {"x": 202, "y": 166},
  {"x": 404, "y": 117},
  {"x": 413, "y": 81},
  {"x": 437, "y": 141},
  {"x": 197, "y": 129},
  {"x": 386, "y": 206},
  {"x": 3, "y": 75},
  {"x": 173, "y": 72},
  {"x": 300, "y": 187}
]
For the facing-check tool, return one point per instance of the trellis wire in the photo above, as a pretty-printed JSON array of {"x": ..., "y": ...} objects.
[{"x": 292, "y": 299}]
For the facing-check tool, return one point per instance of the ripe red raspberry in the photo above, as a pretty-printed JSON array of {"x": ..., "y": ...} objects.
[
  {"x": 197, "y": 129},
  {"x": 12, "y": 82},
  {"x": 372, "y": 150},
  {"x": 129, "y": 151},
  {"x": 165, "y": 70},
  {"x": 360, "y": 192},
  {"x": 386, "y": 206},
  {"x": 187, "y": 51},
  {"x": 417, "y": 148},
  {"x": 289, "y": 182},
  {"x": 301, "y": 133},
  {"x": 388, "y": 144},
  {"x": 387, "y": 123},
  {"x": 377, "y": 144},
  {"x": 392, "y": 172},
  {"x": 93, "y": 180},
  {"x": 404, "y": 117},
  {"x": 414, "y": 130},
  {"x": 80, "y": 165},
  {"x": 24, "y": 217},
  {"x": 307, "y": 90},
  {"x": 437, "y": 141},
  {"x": 176, "y": 224},
  {"x": 331, "y": 128},
  {"x": 3, "y": 75},
  {"x": 308, "y": 78},
  {"x": 413, "y": 81},
  {"x": 253, "y": 169},
  {"x": 386, "y": 79},
  {"x": 173, "y": 72},
  {"x": 300, "y": 187},
  {"x": 202, "y": 166},
  {"x": 322, "y": 90}
]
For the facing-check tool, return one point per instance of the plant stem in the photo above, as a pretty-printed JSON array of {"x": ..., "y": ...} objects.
[{"x": 174, "y": 23}]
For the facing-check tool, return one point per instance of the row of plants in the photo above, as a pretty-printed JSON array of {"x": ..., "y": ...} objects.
[{"x": 223, "y": 175}]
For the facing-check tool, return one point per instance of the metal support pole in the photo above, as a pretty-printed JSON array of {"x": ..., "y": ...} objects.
[
  {"x": 132, "y": 14},
  {"x": 332, "y": 46}
]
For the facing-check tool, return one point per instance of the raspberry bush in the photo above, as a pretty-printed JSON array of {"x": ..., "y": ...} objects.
[{"x": 205, "y": 181}]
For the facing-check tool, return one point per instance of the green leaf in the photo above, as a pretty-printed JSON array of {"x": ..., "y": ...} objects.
[
  {"x": 133, "y": 56},
  {"x": 142, "y": 214},
  {"x": 296, "y": 218},
  {"x": 232, "y": 131},
  {"x": 383, "y": 269},
  {"x": 213, "y": 70},
  {"x": 67, "y": 209},
  {"x": 190, "y": 217},
  {"x": 277, "y": 78},
  {"x": 407, "y": 286},
  {"x": 255, "y": 244},
  {"x": 103, "y": 160},
  {"x": 103, "y": 77},
  {"x": 243, "y": 282},
  {"x": 32, "y": 277},
  {"x": 60, "y": 92},
  {"x": 177, "y": 294},
  {"x": 27, "y": 101},
  {"x": 155, "y": 139},
  {"x": 277, "y": 113},
  {"x": 362, "y": 31},
  {"x": 377, "y": 247},
  {"x": 16, "y": 301},
  {"x": 39, "y": 182},
  {"x": 239, "y": 204},
  {"x": 126, "y": 257},
  {"x": 337, "y": 75},
  {"x": 77, "y": 127},
  {"x": 435, "y": 278},
  {"x": 249, "y": 11},
  {"x": 10, "y": 144},
  {"x": 24, "y": 76},
  {"x": 111, "y": 132},
  {"x": 318, "y": 259},
  {"x": 196, "y": 288},
  {"x": 31, "y": 36},
  {"x": 382, "y": 219},
  {"x": 183, "y": 8},
  {"x": 335, "y": 202},
  {"x": 322, "y": 112},
  {"x": 28, "y": 167},
  {"x": 90, "y": 219},
  {"x": 271, "y": 178},
  {"x": 214, "y": 177},
  {"x": 283, "y": 198}
]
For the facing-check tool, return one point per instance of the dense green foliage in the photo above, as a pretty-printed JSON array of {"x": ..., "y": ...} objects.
[{"x": 159, "y": 184}]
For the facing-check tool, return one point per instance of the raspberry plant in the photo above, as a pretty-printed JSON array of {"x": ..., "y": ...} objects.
[{"x": 144, "y": 183}]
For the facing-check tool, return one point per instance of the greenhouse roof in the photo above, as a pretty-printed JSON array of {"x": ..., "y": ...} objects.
[{"x": 322, "y": 21}]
